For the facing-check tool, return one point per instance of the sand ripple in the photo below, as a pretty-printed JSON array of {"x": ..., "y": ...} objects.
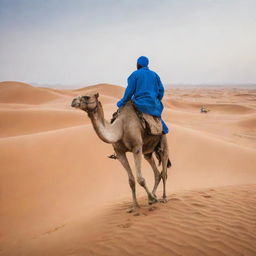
[{"x": 211, "y": 222}]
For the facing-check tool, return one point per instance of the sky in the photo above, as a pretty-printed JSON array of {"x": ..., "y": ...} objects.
[{"x": 85, "y": 42}]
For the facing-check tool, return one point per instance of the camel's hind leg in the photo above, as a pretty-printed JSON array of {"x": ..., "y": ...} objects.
[
  {"x": 137, "y": 154},
  {"x": 164, "y": 178},
  {"x": 123, "y": 160},
  {"x": 150, "y": 159},
  {"x": 164, "y": 159}
]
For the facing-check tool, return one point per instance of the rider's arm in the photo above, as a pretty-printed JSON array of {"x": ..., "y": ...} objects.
[{"x": 129, "y": 91}]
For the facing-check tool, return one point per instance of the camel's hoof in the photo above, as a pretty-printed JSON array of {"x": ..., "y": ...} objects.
[
  {"x": 163, "y": 200},
  {"x": 152, "y": 200}
]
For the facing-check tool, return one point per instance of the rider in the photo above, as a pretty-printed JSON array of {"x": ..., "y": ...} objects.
[{"x": 146, "y": 90}]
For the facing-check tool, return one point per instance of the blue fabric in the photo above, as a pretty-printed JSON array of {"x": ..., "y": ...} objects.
[
  {"x": 143, "y": 61},
  {"x": 165, "y": 128},
  {"x": 146, "y": 90}
]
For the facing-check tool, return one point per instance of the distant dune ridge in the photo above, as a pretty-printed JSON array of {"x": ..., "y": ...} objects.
[{"x": 61, "y": 195}]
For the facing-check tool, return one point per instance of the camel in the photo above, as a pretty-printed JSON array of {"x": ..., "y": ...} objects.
[{"x": 126, "y": 134}]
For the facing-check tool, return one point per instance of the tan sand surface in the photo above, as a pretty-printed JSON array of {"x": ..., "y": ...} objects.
[
  {"x": 13, "y": 92},
  {"x": 61, "y": 195}
]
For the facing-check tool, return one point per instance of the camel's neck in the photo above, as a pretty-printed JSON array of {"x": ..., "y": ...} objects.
[{"x": 109, "y": 133}]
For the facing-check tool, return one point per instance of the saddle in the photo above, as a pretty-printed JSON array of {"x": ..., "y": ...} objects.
[{"x": 151, "y": 124}]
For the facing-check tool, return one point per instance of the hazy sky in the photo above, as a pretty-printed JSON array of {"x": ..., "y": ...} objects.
[{"x": 92, "y": 41}]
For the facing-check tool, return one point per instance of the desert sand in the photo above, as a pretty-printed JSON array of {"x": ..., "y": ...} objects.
[{"x": 61, "y": 195}]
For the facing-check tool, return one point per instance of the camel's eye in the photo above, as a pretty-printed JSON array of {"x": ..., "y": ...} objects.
[{"x": 86, "y": 98}]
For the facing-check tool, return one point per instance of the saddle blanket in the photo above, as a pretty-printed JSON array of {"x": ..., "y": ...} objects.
[{"x": 152, "y": 124}]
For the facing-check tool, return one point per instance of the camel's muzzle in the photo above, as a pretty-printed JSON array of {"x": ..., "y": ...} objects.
[{"x": 75, "y": 103}]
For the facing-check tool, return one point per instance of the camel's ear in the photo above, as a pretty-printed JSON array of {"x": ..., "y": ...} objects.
[{"x": 97, "y": 95}]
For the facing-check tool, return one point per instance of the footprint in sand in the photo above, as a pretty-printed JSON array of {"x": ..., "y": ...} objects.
[
  {"x": 198, "y": 205},
  {"x": 153, "y": 208},
  {"x": 126, "y": 225},
  {"x": 174, "y": 199},
  {"x": 54, "y": 229},
  {"x": 206, "y": 196}
]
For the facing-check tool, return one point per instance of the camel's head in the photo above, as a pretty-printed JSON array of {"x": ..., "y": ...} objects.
[{"x": 88, "y": 102}]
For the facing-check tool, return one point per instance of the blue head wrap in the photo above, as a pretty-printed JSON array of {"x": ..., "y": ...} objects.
[{"x": 143, "y": 61}]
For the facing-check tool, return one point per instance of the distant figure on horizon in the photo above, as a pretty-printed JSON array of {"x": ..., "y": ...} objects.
[
  {"x": 204, "y": 109},
  {"x": 146, "y": 91}
]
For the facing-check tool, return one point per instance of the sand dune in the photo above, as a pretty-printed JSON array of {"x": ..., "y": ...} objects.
[
  {"x": 214, "y": 108},
  {"x": 230, "y": 108},
  {"x": 20, "y": 122},
  {"x": 16, "y": 92},
  {"x": 62, "y": 195},
  {"x": 249, "y": 123},
  {"x": 204, "y": 222},
  {"x": 175, "y": 104},
  {"x": 105, "y": 89},
  {"x": 231, "y": 121},
  {"x": 59, "y": 91}
]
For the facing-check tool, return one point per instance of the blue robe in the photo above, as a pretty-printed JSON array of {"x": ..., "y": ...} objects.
[{"x": 146, "y": 90}]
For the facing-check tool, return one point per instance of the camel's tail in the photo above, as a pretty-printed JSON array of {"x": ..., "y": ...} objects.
[
  {"x": 169, "y": 163},
  {"x": 158, "y": 156}
]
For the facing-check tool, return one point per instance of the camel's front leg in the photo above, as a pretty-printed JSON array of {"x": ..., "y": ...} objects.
[
  {"x": 137, "y": 154},
  {"x": 123, "y": 160}
]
